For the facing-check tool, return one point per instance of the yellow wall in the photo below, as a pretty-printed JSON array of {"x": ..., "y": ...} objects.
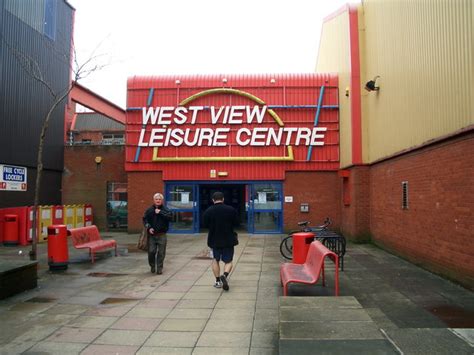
[
  {"x": 334, "y": 57},
  {"x": 423, "y": 52}
]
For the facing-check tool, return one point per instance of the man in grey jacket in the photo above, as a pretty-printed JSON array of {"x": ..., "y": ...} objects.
[{"x": 156, "y": 221}]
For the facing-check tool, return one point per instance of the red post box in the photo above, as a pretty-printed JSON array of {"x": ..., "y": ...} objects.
[
  {"x": 301, "y": 242},
  {"x": 10, "y": 229},
  {"x": 58, "y": 253}
]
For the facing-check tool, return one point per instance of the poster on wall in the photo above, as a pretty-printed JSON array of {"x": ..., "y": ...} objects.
[{"x": 13, "y": 178}]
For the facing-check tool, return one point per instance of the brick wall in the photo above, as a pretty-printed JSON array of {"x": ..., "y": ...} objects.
[
  {"x": 84, "y": 181},
  {"x": 356, "y": 213},
  {"x": 141, "y": 188},
  {"x": 322, "y": 190},
  {"x": 94, "y": 136},
  {"x": 437, "y": 229}
]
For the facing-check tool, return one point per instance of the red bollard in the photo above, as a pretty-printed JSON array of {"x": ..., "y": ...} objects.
[
  {"x": 58, "y": 252},
  {"x": 301, "y": 243},
  {"x": 10, "y": 230}
]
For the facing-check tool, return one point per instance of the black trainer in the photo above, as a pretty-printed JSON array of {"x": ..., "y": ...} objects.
[
  {"x": 152, "y": 269},
  {"x": 225, "y": 284}
]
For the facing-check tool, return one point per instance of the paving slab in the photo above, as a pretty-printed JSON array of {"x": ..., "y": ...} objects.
[
  {"x": 181, "y": 339},
  {"x": 47, "y": 347},
  {"x": 307, "y": 347},
  {"x": 429, "y": 341}
]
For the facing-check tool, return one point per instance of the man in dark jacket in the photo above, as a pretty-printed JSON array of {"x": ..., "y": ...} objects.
[
  {"x": 221, "y": 219},
  {"x": 156, "y": 221}
]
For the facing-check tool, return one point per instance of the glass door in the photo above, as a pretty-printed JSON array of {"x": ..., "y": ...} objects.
[
  {"x": 181, "y": 200},
  {"x": 265, "y": 207}
]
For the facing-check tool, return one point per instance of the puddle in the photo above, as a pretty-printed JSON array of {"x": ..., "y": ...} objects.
[
  {"x": 105, "y": 274},
  {"x": 454, "y": 317},
  {"x": 203, "y": 255},
  {"x": 115, "y": 300},
  {"x": 42, "y": 299}
]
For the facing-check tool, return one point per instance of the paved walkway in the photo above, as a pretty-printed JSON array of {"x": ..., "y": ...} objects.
[{"x": 118, "y": 306}]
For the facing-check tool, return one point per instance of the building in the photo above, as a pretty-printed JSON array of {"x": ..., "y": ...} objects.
[
  {"x": 407, "y": 117},
  {"x": 269, "y": 142},
  {"x": 35, "y": 62},
  {"x": 94, "y": 158}
]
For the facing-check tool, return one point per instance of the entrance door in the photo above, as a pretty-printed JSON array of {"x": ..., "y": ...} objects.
[
  {"x": 181, "y": 200},
  {"x": 265, "y": 207}
]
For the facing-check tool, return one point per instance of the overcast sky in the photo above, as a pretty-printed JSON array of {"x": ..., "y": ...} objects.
[{"x": 153, "y": 37}]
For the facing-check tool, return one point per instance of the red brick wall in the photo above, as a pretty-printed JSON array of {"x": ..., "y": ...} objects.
[
  {"x": 84, "y": 181},
  {"x": 141, "y": 188},
  {"x": 356, "y": 214},
  {"x": 94, "y": 136},
  {"x": 437, "y": 230},
  {"x": 322, "y": 190}
]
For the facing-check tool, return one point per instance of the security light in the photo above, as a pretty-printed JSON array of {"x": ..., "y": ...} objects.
[{"x": 372, "y": 85}]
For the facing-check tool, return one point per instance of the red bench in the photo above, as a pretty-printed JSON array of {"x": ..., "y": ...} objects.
[
  {"x": 89, "y": 237},
  {"x": 309, "y": 272}
]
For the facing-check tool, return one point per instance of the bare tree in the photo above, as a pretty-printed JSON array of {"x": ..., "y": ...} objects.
[{"x": 35, "y": 72}]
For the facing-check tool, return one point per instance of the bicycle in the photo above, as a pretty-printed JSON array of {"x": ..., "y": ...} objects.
[{"x": 286, "y": 245}]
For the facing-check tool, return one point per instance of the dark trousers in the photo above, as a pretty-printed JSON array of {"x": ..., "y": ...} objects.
[{"x": 157, "y": 250}]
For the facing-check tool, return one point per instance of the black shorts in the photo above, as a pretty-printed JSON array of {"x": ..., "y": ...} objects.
[{"x": 224, "y": 254}]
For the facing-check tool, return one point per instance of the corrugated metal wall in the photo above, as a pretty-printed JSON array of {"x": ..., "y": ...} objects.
[
  {"x": 423, "y": 52},
  {"x": 23, "y": 101},
  {"x": 334, "y": 56},
  {"x": 289, "y": 90}
]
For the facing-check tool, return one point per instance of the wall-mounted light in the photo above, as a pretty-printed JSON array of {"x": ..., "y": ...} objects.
[
  {"x": 224, "y": 80},
  {"x": 272, "y": 81},
  {"x": 98, "y": 161},
  {"x": 177, "y": 82},
  {"x": 373, "y": 85}
]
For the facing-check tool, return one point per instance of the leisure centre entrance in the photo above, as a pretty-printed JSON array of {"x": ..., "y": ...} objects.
[{"x": 259, "y": 204}]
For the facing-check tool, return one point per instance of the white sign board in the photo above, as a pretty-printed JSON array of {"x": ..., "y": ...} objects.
[
  {"x": 12, "y": 178},
  {"x": 288, "y": 198}
]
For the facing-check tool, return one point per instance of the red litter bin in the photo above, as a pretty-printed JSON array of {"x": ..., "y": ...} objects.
[
  {"x": 58, "y": 253},
  {"x": 301, "y": 242},
  {"x": 10, "y": 229}
]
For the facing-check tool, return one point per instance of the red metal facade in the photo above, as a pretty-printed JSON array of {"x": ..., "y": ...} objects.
[{"x": 293, "y": 97}]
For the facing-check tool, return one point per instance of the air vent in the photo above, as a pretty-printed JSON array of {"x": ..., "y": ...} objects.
[{"x": 404, "y": 195}]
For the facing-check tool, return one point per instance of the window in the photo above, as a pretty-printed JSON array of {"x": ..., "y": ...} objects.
[
  {"x": 117, "y": 205},
  {"x": 50, "y": 18},
  {"x": 38, "y": 14},
  {"x": 119, "y": 139},
  {"x": 108, "y": 139},
  {"x": 405, "y": 195}
]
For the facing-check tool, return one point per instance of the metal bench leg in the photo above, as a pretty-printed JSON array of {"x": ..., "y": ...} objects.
[{"x": 322, "y": 271}]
